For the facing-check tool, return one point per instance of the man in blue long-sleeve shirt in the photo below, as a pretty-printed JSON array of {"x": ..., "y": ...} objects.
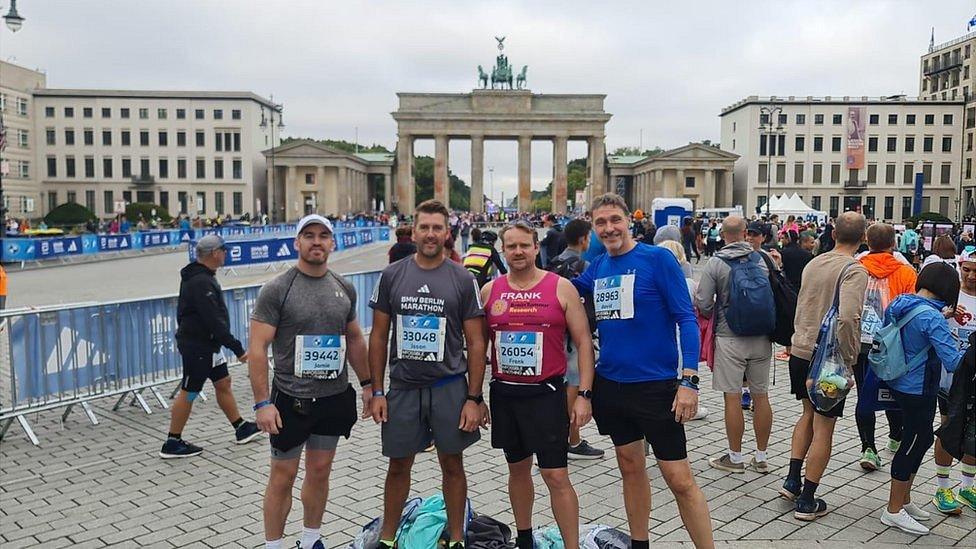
[{"x": 640, "y": 294}]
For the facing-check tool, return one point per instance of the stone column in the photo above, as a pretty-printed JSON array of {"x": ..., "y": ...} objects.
[
  {"x": 524, "y": 173},
  {"x": 269, "y": 206},
  {"x": 659, "y": 189},
  {"x": 598, "y": 177},
  {"x": 477, "y": 174},
  {"x": 404, "y": 176},
  {"x": 708, "y": 193},
  {"x": 679, "y": 185},
  {"x": 560, "y": 175},
  {"x": 291, "y": 195},
  {"x": 729, "y": 198},
  {"x": 442, "y": 185},
  {"x": 323, "y": 205},
  {"x": 388, "y": 189}
]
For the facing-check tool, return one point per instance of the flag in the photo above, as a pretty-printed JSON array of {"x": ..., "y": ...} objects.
[
  {"x": 972, "y": 23},
  {"x": 3, "y": 134}
]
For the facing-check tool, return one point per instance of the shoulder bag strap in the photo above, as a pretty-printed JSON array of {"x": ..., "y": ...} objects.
[{"x": 840, "y": 279}]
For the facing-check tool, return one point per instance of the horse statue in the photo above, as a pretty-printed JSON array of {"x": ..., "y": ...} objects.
[
  {"x": 501, "y": 76},
  {"x": 520, "y": 79},
  {"x": 482, "y": 77}
]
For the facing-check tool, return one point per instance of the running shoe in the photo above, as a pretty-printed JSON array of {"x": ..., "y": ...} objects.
[
  {"x": 725, "y": 463},
  {"x": 759, "y": 466},
  {"x": 870, "y": 460},
  {"x": 903, "y": 521},
  {"x": 702, "y": 413},
  {"x": 945, "y": 501},
  {"x": 247, "y": 432},
  {"x": 583, "y": 450},
  {"x": 791, "y": 489},
  {"x": 178, "y": 448},
  {"x": 384, "y": 545},
  {"x": 810, "y": 510},
  {"x": 916, "y": 512},
  {"x": 746, "y": 401},
  {"x": 893, "y": 445},
  {"x": 968, "y": 496},
  {"x": 317, "y": 545}
]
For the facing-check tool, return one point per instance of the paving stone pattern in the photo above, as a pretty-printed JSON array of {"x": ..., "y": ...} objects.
[{"x": 97, "y": 486}]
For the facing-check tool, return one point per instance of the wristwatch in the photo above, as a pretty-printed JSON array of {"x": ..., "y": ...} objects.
[
  {"x": 587, "y": 394},
  {"x": 690, "y": 382},
  {"x": 477, "y": 399}
]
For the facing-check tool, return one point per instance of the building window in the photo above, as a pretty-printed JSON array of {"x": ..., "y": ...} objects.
[
  {"x": 801, "y": 119},
  {"x": 969, "y": 168},
  {"x": 946, "y": 143},
  {"x": 835, "y": 174},
  {"x": 181, "y": 168},
  {"x": 872, "y": 173},
  {"x": 947, "y": 119},
  {"x": 798, "y": 173},
  {"x": 852, "y": 176},
  {"x": 109, "y": 201},
  {"x": 126, "y": 167},
  {"x": 237, "y": 143},
  {"x": 893, "y": 144},
  {"x": 107, "y": 138},
  {"x": 126, "y": 138},
  {"x": 69, "y": 112},
  {"x": 144, "y": 138},
  {"x": 69, "y": 136},
  {"x": 781, "y": 173},
  {"x": 834, "y": 201},
  {"x": 892, "y": 119},
  {"x": 926, "y": 203},
  {"x": 815, "y": 202},
  {"x": 161, "y": 114},
  {"x": 163, "y": 138},
  {"x": 164, "y": 199},
  {"x": 198, "y": 114},
  {"x": 818, "y": 119},
  {"x": 689, "y": 182},
  {"x": 89, "y": 166},
  {"x": 144, "y": 168},
  {"x": 106, "y": 112},
  {"x": 889, "y": 207},
  {"x": 817, "y": 143},
  {"x": 180, "y": 114},
  {"x": 143, "y": 114},
  {"x": 218, "y": 168},
  {"x": 927, "y": 143},
  {"x": 127, "y": 197},
  {"x": 929, "y": 119},
  {"x": 49, "y": 112},
  {"x": 164, "y": 168},
  {"x": 838, "y": 119},
  {"x": 235, "y": 114},
  {"x": 926, "y": 174},
  {"x": 890, "y": 175},
  {"x": 52, "y": 200},
  {"x": 781, "y": 119},
  {"x": 181, "y": 198},
  {"x": 909, "y": 143},
  {"x": 910, "y": 119},
  {"x": 873, "y": 119},
  {"x": 69, "y": 166},
  {"x": 24, "y": 169},
  {"x": 309, "y": 179},
  {"x": 238, "y": 203},
  {"x": 51, "y": 138},
  {"x": 909, "y": 177},
  {"x": 200, "y": 138},
  {"x": 799, "y": 144},
  {"x": 123, "y": 112},
  {"x": 89, "y": 136},
  {"x": 944, "y": 205},
  {"x": 86, "y": 112},
  {"x": 946, "y": 172},
  {"x": 219, "y": 202},
  {"x": 218, "y": 114},
  {"x": 873, "y": 144},
  {"x": 52, "y": 166},
  {"x": 763, "y": 172},
  {"x": 238, "y": 169},
  {"x": 181, "y": 139},
  {"x": 201, "y": 168},
  {"x": 107, "y": 167},
  {"x": 90, "y": 200},
  {"x": 72, "y": 197},
  {"x": 760, "y": 202},
  {"x": 835, "y": 144},
  {"x": 219, "y": 141},
  {"x": 763, "y": 119},
  {"x": 869, "y": 207}
]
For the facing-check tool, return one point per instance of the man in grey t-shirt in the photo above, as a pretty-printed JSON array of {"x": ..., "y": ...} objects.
[
  {"x": 308, "y": 316},
  {"x": 432, "y": 306}
]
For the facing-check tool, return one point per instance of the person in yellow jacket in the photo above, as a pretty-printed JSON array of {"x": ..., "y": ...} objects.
[{"x": 3, "y": 288}]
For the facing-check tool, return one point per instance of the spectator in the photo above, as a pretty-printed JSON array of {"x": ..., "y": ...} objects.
[{"x": 404, "y": 246}]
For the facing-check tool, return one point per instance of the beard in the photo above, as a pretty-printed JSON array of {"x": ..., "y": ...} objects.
[
  {"x": 311, "y": 259},
  {"x": 438, "y": 251}
]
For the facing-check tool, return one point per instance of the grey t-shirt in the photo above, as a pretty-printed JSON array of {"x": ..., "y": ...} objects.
[
  {"x": 427, "y": 311},
  {"x": 298, "y": 304}
]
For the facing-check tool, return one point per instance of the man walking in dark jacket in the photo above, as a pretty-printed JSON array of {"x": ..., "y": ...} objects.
[
  {"x": 203, "y": 328},
  {"x": 795, "y": 258}
]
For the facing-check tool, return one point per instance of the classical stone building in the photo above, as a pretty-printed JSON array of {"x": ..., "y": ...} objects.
[
  {"x": 702, "y": 173},
  {"x": 481, "y": 115},
  {"x": 308, "y": 177},
  {"x": 21, "y": 191}
]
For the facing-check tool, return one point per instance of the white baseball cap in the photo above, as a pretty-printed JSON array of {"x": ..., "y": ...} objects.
[{"x": 313, "y": 219}]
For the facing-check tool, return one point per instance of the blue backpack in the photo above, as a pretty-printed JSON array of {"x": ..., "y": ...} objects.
[
  {"x": 751, "y": 309},
  {"x": 887, "y": 356}
]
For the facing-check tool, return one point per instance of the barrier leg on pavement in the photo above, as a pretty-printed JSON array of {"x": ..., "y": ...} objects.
[{"x": 159, "y": 398}]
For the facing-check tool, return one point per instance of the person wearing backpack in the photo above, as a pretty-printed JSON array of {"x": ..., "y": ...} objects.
[
  {"x": 923, "y": 331},
  {"x": 814, "y": 430},
  {"x": 888, "y": 278},
  {"x": 909, "y": 244},
  {"x": 482, "y": 256},
  {"x": 735, "y": 287}
]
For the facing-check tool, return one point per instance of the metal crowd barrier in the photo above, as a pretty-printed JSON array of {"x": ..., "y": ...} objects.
[{"x": 67, "y": 356}]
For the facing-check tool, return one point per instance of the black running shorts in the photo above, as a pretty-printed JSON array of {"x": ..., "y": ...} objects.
[
  {"x": 328, "y": 416},
  {"x": 198, "y": 367},
  {"x": 531, "y": 419},
  {"x": 627, "y": 412}
]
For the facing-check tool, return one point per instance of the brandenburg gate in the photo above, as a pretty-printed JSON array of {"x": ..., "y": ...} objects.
[{"x": 499, "y": 114}]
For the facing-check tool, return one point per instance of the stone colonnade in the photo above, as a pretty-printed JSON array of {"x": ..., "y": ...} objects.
[{"x": 714, "y": 192}]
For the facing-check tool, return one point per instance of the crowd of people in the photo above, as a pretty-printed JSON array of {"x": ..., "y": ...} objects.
[{"x": 603, "y": 318}]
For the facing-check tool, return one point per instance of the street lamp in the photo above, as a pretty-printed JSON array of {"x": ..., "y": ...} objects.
[
  {"x": 491, "y": 183},
  {"x": 13, "y": 19},
  {"x": 275, "y": 107},
  {"x": 772, "y": 127}
]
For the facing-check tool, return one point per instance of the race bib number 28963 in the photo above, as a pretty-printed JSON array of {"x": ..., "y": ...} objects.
[{"x": 613, "y": 297}]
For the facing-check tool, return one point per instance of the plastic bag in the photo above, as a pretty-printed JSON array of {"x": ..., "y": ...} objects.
[
  {"x": 875, "y": 303},
  {"x": 830, "y": 379}
]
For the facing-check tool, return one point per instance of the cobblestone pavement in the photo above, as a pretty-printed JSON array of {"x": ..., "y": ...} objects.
[{"x": 94, "y": 486}]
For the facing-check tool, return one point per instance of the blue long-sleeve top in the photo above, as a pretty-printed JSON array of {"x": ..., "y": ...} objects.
[
  {"x": 929, "y": 327},
  {"x": 644, "y": 347}
]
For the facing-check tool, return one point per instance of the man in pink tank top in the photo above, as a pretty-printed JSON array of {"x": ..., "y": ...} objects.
[{"x": 529, "y": 312}]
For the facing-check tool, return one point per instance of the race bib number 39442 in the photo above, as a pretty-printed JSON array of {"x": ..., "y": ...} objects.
[
  {"x": 421, "y": 337},
  {"x": 319, "y": 356},
  {"x": 613, "y": 297}
]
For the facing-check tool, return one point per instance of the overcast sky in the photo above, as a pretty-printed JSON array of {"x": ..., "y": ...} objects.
[{"x": 667, "y": 68}]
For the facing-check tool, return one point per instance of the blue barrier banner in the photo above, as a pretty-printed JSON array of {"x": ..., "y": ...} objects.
[
  {"x": 152, "y": 239},
  {"x": 58, "y": 246},
  {"x": 345, "y": 239},
  {"x": 384, "y": 233},
  {"x": 18, "y": 249},
  {"x": 364, "y": 236},
  {"x": 114, "y": 242}
]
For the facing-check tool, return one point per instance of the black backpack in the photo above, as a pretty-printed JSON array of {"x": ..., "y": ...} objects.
[
  {"x": 569, "y": 268},
  {"x": 784, "y": 294}
]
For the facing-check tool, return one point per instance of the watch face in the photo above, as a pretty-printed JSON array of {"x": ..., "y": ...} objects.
[{"x": 693, "y": 380}]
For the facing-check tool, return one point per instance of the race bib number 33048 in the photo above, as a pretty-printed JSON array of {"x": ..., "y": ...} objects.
[
  {"x": 613, "y": 297},
  {"x": 319, "y": 356},
  {"x": 421, "y": 337}
]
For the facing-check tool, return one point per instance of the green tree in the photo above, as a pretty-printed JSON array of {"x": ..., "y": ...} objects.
[
  {"x": 634, "y": 151},
  {"x": 342, "y": 145},
  {"x": 423, "y": 174}
]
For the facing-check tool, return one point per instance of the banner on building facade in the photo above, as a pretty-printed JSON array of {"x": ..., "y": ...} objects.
[{"x": 856, "y": 118}]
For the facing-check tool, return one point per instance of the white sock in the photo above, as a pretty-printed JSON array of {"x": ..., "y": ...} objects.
[
  {"x": 309, "y": 537},
  {"x": 944, "y": 482},
  {"x": 274, "y": 544},
  {"x": 760, "y": 455},
  {"x": 735, "y": 457}
]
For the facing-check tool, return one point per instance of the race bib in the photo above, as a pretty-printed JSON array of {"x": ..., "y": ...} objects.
[
  {"x": 613, "y": 297},
  {"x": 519, "y": 353},
  {"x": 319, "y": 356},
  {"x": 421, "y": 337}
]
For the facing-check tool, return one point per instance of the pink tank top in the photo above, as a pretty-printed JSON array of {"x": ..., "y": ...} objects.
[{"x": 528, "y": 331}]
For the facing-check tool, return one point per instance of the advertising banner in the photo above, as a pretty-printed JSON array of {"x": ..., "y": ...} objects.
[
  {"x": 114, "y": 242},
  {"x": 59, "y": 246},
  {"x": 856, "y": 118}
]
